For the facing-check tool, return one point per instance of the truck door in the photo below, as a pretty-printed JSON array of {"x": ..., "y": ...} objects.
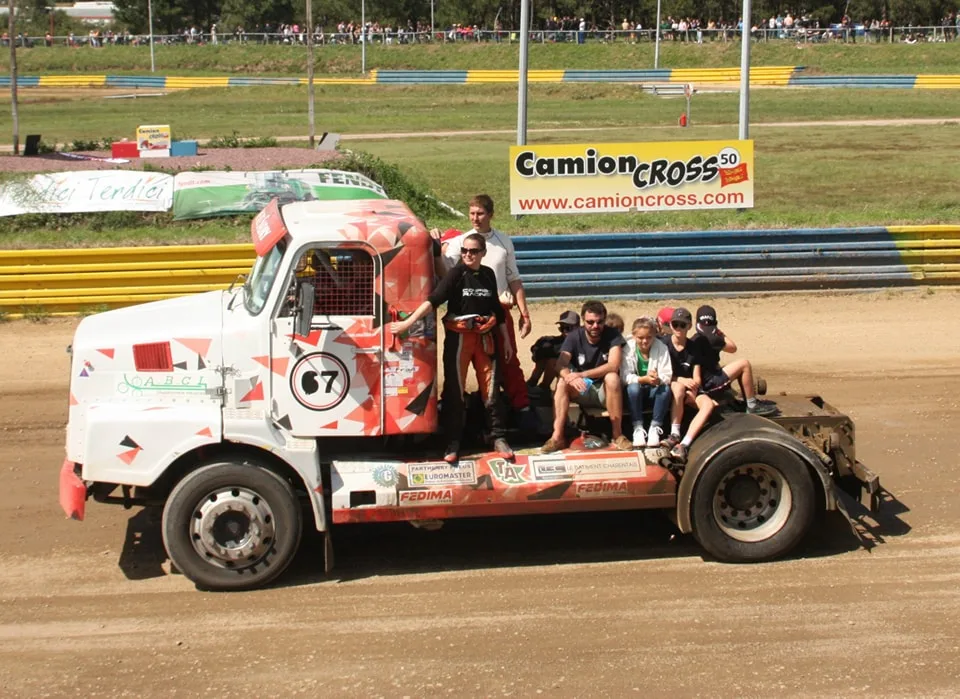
[{"x": 329, "y": 382}]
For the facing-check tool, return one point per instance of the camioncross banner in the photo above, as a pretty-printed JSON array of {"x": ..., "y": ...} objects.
[
  {"x": 622, "y": 177},
  {"x": 204, "y": 194}
]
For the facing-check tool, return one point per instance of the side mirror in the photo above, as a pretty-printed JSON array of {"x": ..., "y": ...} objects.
[{"x": 304, "y": 312}]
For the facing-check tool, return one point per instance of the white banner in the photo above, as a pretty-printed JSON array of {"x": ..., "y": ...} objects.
[{"x": 86, "y": 191}]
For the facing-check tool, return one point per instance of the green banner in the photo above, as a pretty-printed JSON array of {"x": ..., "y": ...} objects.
[{"x": 208, "y": 194}]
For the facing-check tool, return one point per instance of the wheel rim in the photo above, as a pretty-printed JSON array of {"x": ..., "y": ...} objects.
[
  {"x": 752, "y": 502},
  {"x": 233, "y": 528}
]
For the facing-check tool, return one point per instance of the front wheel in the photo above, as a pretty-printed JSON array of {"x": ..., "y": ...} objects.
[
  {"x": 754, "y": 501},
  {"x": 232, "y": 525}
]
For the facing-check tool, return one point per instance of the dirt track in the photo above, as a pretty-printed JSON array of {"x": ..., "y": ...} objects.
[{"x": 599, "y": 605}]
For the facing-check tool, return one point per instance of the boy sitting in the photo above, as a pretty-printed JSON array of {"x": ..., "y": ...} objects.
[{"x": 546, "y": 351}]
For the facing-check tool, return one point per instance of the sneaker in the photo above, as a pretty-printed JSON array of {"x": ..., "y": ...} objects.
[
  {"x": 503, "y": 449},
  {"x": 671, "y": 441},
  {"x": 553, "y": 445},
  {"x": 639, "y": 436},
  {"x": 654, "y": 437},
  {"x": 679, "y": 452},
  {"x": 763, "y": 407},
  {"x": 622, "y": 443},
  {"x": 452, "y": 453}
]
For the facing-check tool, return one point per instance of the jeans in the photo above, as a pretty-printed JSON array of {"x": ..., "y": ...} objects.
[{"x": 639, "y": 395}]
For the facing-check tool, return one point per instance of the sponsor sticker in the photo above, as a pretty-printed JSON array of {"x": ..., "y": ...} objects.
[
  {"x": 506, "y": 472},
  {"x": 552, "y": 468},
  {"x": 426, "y": 498},
  {"x": 600, "y": 489},
  {"x": 442, "y": 473}
]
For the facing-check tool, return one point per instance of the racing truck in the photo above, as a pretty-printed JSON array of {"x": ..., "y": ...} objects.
[{"x": 247, "y": 413}]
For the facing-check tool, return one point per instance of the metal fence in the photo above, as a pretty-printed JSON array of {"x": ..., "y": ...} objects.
[
  {"x": 699, "y": 35},
  {"x": 609, "y": 265}
]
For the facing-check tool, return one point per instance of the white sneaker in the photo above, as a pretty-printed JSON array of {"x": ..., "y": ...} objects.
[
  {"x": 653, "y": 439},
  {"x": 639, "y": 436}
]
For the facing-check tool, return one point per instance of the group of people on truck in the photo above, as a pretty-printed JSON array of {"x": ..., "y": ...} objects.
[{"x": 660, "y": 364}]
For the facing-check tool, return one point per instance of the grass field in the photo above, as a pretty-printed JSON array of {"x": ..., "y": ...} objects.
[
  {"x": 281, "y": 111},
  {"x": 251, "y": 59}
]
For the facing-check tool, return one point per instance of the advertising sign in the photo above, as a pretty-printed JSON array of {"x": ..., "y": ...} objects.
[
  {"x": 85, "y": 191},
  {"x": 203, "y": 194},
  {"x": 631, "y": 177},
  {"x": 153, "y": 137}
]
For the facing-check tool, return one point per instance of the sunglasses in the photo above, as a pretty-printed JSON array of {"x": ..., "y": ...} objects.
[
  {"x": 708, "y": 323},
  {"x": 593, "y": 322},
  {"x": 471, "y": 251},
  {"x": 564, "y": 328},
  {"x": 679, "y": 325}
]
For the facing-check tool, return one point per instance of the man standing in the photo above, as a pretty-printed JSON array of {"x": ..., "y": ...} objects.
[
  {"x": 500, "y": 257},
  {"x": 589, "y": 375}
]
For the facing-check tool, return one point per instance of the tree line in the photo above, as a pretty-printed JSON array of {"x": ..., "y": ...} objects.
[{"x": 172, "y": 16}]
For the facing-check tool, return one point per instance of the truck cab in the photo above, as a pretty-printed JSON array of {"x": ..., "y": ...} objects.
[{"x": 232, "y": 409}]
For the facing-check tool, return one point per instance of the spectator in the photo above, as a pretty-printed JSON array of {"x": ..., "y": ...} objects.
[
  {"x": 589, "y": 375},
  {"x": 615, "y": 321},
  {"x": 646, "y": 372},
  {"x": 546, "y": 351}
]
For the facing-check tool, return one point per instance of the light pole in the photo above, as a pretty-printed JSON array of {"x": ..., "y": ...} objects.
[
  {"x": 13, "y": 77},
  {"x": 522, "y": 77},
  {"x": 431, "y": 20},
  {"x": 153, "y": 64},
  {"x": 312, "y": 131},
  {"x": 656, "y": 48},
  {"x": 745, "y": 74},
  {"x": 363, "y": 37}
]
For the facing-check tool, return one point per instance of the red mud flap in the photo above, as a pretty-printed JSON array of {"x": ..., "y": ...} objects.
[{"x": 73, "y": 491}]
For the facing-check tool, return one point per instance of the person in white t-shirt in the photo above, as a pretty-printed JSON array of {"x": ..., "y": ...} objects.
[{"x": 503, "y": 260}]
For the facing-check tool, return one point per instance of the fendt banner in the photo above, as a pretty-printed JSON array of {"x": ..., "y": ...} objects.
[{"x": 631, "y": 177}]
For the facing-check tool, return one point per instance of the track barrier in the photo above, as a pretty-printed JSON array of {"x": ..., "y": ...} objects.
[
  {"x": 775, "y": 76},
  {"x": 608, "y": 265}
]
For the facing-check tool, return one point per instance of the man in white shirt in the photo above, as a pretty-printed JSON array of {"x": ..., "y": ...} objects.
[{"x": 503, "y": 260}]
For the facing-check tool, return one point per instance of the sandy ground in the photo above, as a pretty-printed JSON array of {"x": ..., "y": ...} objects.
[{"x": 597, "y": 605}]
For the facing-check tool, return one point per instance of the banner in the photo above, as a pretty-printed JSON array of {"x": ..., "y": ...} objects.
[
  {"x": 85, "y": 191},
  {"x": 203, "y": 194},
  {"x": 153, "y": 137},
  {"x": 627, "y": 177}
]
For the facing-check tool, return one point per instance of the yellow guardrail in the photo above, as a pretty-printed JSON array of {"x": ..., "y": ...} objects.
[{"x": 77, "y": 280}]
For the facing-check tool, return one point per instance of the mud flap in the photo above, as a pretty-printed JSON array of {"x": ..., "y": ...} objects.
[{"x": 327, "y": 552}]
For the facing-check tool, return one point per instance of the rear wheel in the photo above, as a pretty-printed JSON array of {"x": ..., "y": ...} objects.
[
  {"x": 754, "y": 501},
  {"x": 232, "y": 525}
]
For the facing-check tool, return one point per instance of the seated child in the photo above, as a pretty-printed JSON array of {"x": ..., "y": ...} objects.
[{"x": 646, "y": 371}]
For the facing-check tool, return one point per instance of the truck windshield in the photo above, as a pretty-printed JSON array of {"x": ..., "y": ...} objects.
[{"x": 258, "y": 284}]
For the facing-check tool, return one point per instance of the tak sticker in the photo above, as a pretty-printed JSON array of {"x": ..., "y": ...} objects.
[{"x": 319, "y": 381}]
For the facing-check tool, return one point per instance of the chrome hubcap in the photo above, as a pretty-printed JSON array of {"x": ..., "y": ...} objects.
[
  {"x": 752, "y": 502},
  {"x": 232, "y": 528}
]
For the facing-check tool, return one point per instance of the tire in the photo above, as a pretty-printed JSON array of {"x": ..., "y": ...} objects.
[
  {"x": 753, "y": 502},
  {"x": 220, "y": 500}
]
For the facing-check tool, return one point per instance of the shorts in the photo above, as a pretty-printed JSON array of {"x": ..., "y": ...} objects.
[
  {"x": 595, "y": 397},
  {"x": 714, "y": 384}
]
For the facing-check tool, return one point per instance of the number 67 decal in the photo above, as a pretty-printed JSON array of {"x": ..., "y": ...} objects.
[{"x": 319, "y": 381}]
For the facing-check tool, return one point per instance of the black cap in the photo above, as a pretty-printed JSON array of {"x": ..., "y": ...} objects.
[
  {"x": 706, "y": 316},
  {"x": 569, "y": 318},
  {"x": 681, "y": 315}
]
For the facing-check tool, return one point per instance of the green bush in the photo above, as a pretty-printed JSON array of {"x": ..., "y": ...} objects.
[{"x": 397, "y": 184}]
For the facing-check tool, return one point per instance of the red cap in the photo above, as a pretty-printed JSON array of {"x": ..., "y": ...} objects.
[
  {"x": 664, "y": 315},
  {"x": 450, "y": 233}
]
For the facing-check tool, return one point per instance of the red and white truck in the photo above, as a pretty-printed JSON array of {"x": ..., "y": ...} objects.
[{"x": 242, "y": 412}]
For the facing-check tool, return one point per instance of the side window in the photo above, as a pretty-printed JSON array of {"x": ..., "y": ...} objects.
[{"x": 343, "y": 281}]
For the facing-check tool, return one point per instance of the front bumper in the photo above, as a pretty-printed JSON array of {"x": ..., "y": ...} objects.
[{"x": 73, "y": 491}]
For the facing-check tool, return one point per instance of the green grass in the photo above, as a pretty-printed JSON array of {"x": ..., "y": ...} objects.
[
  {"x": 811, "y": 177},
  {"x": 252, "y": 59},
  {"x": 261, "y": 112}
]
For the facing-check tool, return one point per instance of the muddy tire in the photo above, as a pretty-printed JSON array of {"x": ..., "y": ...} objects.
[
  {"x": 753, "y": 502},
  {"x": 232, "y": 525}
]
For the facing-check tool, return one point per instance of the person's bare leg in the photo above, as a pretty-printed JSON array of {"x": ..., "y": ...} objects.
[
  {"x": 614, "y": 396},
  {"x": 704, "y": 409},
  {"x": 549, "y": 373},
  {"x": 741, "y": 369},
  {"x": 561, "y": 406}
]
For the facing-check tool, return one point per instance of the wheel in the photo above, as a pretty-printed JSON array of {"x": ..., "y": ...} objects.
[
  {"x": 761, "y": 386},
  {"x": 753, "y": 502},
  {"x": 232, "y": 525}
]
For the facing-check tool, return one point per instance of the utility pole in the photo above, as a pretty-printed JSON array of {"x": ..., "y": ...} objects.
[
  {"x": 744, "y": 130},
  {"x": 522, "y": 73},
  {"x": 11, "y": 25},
  {"x": 310, "y": 94}
]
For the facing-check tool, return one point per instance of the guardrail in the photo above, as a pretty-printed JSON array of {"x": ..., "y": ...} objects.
[{"x": 609, "y": 265}]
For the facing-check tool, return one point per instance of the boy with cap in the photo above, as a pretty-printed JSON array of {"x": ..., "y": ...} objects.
[
  {"x": 546, "y": 351},
  {"x": 687, "y": 380},
  {"x": 708, "y": 343}
]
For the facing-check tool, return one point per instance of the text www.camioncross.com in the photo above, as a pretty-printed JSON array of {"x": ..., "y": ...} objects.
[{"x": 629, "y": 201}]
